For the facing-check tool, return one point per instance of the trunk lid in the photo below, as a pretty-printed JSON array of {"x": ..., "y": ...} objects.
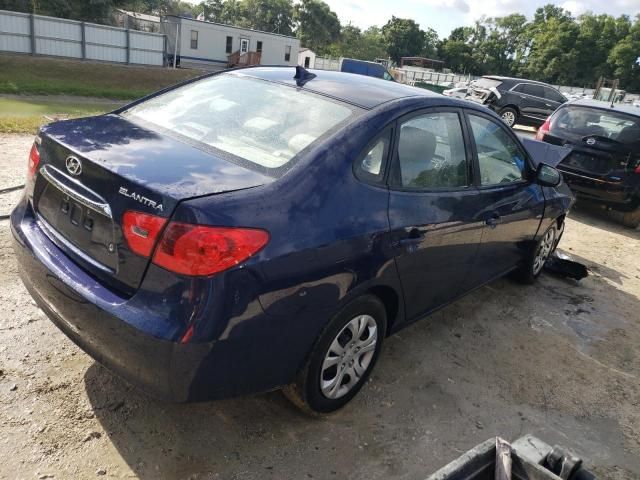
[{"x": 93, "y": 170}]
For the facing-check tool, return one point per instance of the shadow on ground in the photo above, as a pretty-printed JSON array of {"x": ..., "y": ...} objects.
[
  {"x": 597, "y": 216},
  {"x": 557, "y": 359}
]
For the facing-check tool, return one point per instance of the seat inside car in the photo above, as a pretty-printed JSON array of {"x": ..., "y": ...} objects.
[{"x": 416, "y": 151}]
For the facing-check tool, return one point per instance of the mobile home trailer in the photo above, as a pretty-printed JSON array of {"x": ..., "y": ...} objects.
[{"x": 214, "y": 46}]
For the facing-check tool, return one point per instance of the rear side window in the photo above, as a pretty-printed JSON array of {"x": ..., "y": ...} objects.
[
  {"x": 431, "y": 153},
  {"x": 369, "y": 166},
  {"x": 264, "y": 123},
  {"x": 500, "y": 158}
]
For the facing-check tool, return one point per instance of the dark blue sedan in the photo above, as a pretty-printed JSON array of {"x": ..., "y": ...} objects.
[{"x": 269, "y": 227}]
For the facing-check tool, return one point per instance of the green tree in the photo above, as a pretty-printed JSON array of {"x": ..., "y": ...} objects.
[
  {"x": 354, "y": 43},
  {"x": 317, "y": 25},
  {"x": 402, "y": 38},
  {"x": 430, "y": 44},
  {"x": 268, "y": 15},
  {"x": 553, "y": 56},
  {"x": 624, "y": 58},
  {"x": 457, "y": 51}
]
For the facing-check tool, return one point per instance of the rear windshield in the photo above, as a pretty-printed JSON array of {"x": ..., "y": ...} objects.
[
  {"x": 485, "y": 83},
  {"x": 264, "y": 123},
  {"x": 577, "y": 121}
]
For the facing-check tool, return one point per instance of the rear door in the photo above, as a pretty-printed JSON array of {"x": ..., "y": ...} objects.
[
  {"x": 432, "y": 208},
  {"x": 509, "y": 205},
  {"x": 533, "y": 104}
]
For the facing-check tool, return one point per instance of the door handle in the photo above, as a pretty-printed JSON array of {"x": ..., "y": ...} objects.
[
  {"x": 493, "y": 220},
  {"x": 412, "y": 241},
  {"x": 548, "y": 105}
]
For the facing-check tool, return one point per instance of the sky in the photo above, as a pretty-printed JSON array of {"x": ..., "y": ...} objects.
[{"x": 445, "y": 15}]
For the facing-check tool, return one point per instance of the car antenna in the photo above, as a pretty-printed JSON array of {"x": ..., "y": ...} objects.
[{"x": 303, "y": 75}]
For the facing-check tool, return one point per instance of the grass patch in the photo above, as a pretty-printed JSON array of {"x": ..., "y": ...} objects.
[
  {"x": 26, "y": 115},
  {"x": 26, "y": 75}
]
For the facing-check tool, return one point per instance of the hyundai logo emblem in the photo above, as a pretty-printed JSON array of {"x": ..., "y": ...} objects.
[
  {"x": 74, "y": 165},
  {"x": 591, "y": 141}
]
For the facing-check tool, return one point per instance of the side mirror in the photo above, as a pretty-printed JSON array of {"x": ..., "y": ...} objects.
[{"x": 547, "y": 176}]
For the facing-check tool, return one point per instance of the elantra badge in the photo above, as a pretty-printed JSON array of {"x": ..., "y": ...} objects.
[
  {"x": 140, "y": 198},
  {"x": 591, "y": 141}
]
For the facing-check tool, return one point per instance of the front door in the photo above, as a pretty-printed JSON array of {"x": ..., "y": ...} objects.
[
  {"x": 534, "y": 105},
  {"x": 244, "y": 45},
  {"x": 432, "y": 208},
  {"x": 509, "y": 204}
]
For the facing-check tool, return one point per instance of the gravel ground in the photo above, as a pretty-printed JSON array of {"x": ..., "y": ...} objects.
[{"x": 558, "y": 359}]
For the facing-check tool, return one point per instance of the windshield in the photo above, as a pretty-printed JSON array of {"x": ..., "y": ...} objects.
[
  {"x": 581, "y": 122},
  {"x": 259, "y": 121}
]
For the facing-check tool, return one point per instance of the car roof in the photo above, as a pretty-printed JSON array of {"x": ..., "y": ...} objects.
[
  {"x": 360, "y": 90},
  {"x": 616, "y": 107},
  {"x": 521, "y": 80}
]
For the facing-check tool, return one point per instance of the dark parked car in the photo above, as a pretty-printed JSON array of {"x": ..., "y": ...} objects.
[
  {"x": 605, "y": 163},
  {"x": 516, "y": 100},
  {"x": 250, "y": 230}
]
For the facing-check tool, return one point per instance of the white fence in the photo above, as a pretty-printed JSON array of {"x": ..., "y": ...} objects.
[{"x": 39, "y": 35}]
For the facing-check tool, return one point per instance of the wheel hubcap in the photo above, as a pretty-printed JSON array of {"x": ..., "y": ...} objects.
[
  {"x": 509, "y": 118},
  {"x": 544, "y": 250},
  {"x": 349, "y": 356}
]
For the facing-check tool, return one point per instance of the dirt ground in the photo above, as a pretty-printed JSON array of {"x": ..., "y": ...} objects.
[{"x": 559, "y": 359}]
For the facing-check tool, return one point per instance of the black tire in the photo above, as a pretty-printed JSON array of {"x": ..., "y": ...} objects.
[
  {"x": 306, "y": 392},
  {"x": 530, "y": 270},
  {"x": 511, "y": 116},
  {"x": 631, "y": 219}
]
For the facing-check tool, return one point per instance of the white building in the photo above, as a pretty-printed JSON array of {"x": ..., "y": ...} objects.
[
  {"x": 215, "y": 46},
  {"x": 307, "y": 58}
]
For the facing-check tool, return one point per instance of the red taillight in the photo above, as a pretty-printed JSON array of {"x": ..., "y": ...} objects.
[
  {"x": 544, "y": 129},
  {"x": 141, "y": 231},
  {"x": 637, "y": 170},
  {"x": 34, "y": 161},
  {"x": 202, "y": 251}
]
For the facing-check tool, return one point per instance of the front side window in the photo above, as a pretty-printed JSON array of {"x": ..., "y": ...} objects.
[
  {"x": 431, "y": 153},
  {"x": 194, "y": 39},
  {"x": 260, "y": 122},
  {"x": 500, "y": 158},
  {"x": 259, "y": 47},
  {"x": 287, "y": 53},
  {"x": 553, "y": 95},
  {"x": 229, "y": 47}
]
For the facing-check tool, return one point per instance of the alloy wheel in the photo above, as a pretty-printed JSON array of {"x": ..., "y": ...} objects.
[
  {"x": 509, "y": 118},
  {"x": 349, "y": 356},
  {"x": 544, "y": 250}
]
